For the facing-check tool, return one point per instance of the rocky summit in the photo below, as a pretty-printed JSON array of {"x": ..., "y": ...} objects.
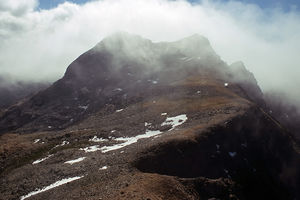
[{"x": 134, "y": 119}]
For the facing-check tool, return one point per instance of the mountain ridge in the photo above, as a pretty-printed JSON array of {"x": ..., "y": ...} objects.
[
  {"x": 90, "y": 74},
  {"x": 127, "y": 128}
]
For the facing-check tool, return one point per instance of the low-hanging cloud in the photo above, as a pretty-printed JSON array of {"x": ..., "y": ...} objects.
[{"x": 40, "y": 44}]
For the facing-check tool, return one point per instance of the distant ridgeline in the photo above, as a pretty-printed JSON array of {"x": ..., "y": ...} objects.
[{"x": 12, "y": 92}]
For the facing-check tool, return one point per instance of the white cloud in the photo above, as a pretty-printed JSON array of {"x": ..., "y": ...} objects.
[
  {"x": 18, "y": 7},
  {"x": 46, "y": 41}
]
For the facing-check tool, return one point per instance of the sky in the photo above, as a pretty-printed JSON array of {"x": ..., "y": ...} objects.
[
  {"x": 40, "y": 38},
  {"x": 48, "y": 4},
  {"x": 283, "y": 4}
]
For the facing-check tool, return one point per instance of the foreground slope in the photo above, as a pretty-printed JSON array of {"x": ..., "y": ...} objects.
[{"x": 132, "y": 119}]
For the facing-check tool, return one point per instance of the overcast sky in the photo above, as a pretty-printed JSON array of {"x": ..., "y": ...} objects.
[
  {"x": 39, "y": 39},
  {"x": 284, "y": 4}
]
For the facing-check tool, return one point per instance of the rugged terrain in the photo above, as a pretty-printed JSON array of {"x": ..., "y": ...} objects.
[{"x": 133, "y": 119}]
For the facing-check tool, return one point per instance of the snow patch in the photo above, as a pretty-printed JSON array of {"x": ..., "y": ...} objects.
[
  {"x": 41, "y": 160},
  {"x": 163, "y": 114},
  {"x": 129, "y": 140},
  {"x": 125, "y": 141},
  {"x": 147, "y": 124},
  {"x": 96, "y": 139},
  {"x": 226, "y": 84},
  {"x": 62, "y": 144},
  {"x": 119, "y": 110},
  {"x": 84, "y": 107},
  {"x": 90, "y": 149},
  {"x": 103, "y": 168},
  {"x": 56, "y": 184},
  {"x": 175, "y": 121},
  {"x": 118, "y": 89},
  {"x": 36, "y": 141},
  {"x": 71, "y": 162}
]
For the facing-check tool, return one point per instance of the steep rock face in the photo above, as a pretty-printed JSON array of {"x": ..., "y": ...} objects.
[
  {"x": 247, "y": 81},
  {"x": 285, "y": 111}
]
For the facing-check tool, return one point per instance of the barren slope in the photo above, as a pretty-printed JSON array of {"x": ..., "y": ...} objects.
[{"x": 172, "y": 133}]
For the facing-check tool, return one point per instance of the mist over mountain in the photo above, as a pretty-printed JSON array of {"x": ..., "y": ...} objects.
[
  {"x": 117, "y": 69},
  {"x": 46, "y": 41},
  {"x": 136, "y": 119},
  {"x": 12, "y": 91},
  {"x": 284, "y": 110}
]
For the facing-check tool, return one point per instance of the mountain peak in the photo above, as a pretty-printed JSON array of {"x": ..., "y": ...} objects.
[
  {"x": 196, "y": 38},
  {"x": 122, "y": 39},
  {"x": 195, "y": 46}
]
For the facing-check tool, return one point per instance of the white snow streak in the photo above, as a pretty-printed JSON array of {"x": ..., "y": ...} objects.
[
  {"x": 62, "y": 144},
  {"x": 41, "y": 160},
  {"x": 125, "y": 141},
  {"x": 56, "y": 184},
  {"x": 90, "y": 149},
  {"x": 36, "y": 141},
  {"x": 129, "y": 140},
  {"x": 71, "y": 162}
]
